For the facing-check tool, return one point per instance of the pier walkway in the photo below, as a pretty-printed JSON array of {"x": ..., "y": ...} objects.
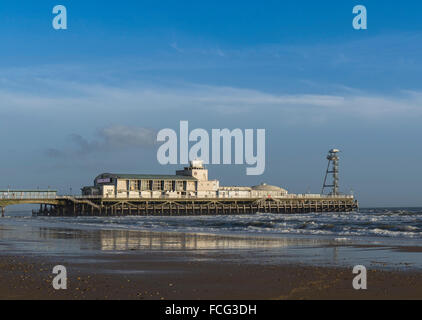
[
  {"x": 14, "y": 197},
  {"x": 53, "y": 205}
]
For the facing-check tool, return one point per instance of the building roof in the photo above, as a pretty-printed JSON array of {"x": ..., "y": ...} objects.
[
  {"x": 145, "y": 176},
  {"x": 266, "y": 187}
]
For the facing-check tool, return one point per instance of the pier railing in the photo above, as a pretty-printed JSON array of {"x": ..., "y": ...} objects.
[
  {"x": 287, "y": 197},
  {"x": 27, "y": 194},
  {"x": 52, "y": 204}
]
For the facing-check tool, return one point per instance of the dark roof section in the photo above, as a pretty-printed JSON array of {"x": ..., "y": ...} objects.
[{"x": 145, "y": 177}]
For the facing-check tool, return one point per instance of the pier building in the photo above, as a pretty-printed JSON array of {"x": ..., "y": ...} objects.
[
  {"x": 191, "y": 182},
  {"x": 187, "y": 192}
]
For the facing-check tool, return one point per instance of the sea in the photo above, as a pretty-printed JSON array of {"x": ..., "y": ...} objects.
[
  {"x": 387, "y": 237},
  {"x": 401, "y": 224}
]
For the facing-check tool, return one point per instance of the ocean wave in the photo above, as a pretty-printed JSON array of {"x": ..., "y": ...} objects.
[
  {"x": 398, "y": 223},
  {"x": 395, "y": 234}
]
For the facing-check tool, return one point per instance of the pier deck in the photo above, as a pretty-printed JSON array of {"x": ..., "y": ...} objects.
[
  {"x": 53, "y": 205},
  {"x": 81, "y": 206}
]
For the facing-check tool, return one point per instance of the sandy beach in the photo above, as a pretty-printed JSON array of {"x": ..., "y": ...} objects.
[
  {"x": 139, "y": 265},
  {"x": 162, "y": 277},
  {"x": 159, "y": 275}
]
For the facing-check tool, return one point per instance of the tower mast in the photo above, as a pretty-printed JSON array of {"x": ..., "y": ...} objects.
[{"x": 333, "y": 170}]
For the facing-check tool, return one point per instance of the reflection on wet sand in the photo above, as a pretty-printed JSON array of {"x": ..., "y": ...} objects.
[
  {"x": 126, "y": 240},
  {"x": 67, "y": 242},
  {"x": 123, "y": 240}
]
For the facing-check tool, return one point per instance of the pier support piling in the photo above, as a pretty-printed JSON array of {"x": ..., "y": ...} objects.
[{"x": 185, "y": 207}]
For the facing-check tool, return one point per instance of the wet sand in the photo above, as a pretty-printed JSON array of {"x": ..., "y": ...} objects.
[
  {"x": 163, "y": 276},
  {"x": 124, "y": 264}
]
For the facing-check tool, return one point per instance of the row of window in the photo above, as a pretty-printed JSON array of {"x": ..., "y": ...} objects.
[{"x": 156, "y": 185}]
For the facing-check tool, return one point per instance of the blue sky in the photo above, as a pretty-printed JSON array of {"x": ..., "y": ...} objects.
[{"x": 68, "y": 99}]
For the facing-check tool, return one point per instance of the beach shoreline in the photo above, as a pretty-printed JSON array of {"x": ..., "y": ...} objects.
[
  {"x": 108, "y": 261},
  {"x": 163, "y": 276}
]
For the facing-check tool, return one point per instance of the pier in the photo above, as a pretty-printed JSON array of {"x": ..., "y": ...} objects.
[
  {"x": 99, "y": 206},
  {"x": 183, "y": 207},
  {"x": 188, "y": 192}
]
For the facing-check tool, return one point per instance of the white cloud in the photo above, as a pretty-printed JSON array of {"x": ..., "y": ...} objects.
[{"x": 47, "y": 95}]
